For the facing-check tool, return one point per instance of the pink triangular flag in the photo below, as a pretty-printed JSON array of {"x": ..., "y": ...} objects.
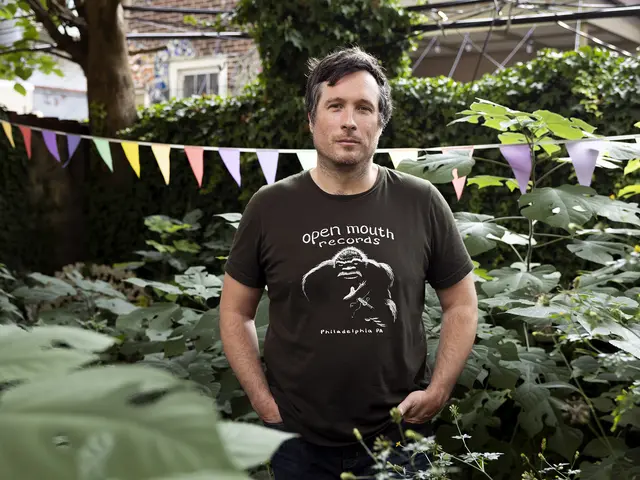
[
  {"x": 458, "y": 183},
  {"x": 231, "y": 159},
  {"x": 584, "y": 156},
  {"x": 50, "y": 141},
  {"x": 269, "y": 163},
  {"x": 26, "y": 134},
  {"x": 519, "y": 157},
  {"x": 195, "y": 156}
]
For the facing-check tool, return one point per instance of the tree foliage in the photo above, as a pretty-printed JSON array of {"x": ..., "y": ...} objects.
[
  {"x": 88, "y": 33},
  {"x": 290, "y": 32}
]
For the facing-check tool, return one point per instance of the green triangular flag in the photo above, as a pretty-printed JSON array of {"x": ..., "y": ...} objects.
[{"x": 105, "y": 152}]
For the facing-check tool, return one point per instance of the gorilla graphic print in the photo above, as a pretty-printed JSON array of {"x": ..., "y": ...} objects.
[{"x": 354, "y": 287}]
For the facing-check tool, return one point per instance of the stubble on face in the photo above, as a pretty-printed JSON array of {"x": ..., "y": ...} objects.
[{"x": 347, "y": 124}]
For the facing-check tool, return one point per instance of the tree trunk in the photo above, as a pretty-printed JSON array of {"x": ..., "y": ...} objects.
[{"x": 110, "y": 89}]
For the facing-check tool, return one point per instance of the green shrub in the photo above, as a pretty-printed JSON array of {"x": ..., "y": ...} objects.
[{"x": 591, "y": 84}]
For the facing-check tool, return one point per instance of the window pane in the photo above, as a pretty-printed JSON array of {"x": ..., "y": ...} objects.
[
  {"x": 201, "y": 85},
  {"x": 213, "y": 84},
  {"x": 187, "y": 86}
]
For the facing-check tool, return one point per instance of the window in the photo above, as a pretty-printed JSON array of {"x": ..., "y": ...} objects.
[
  {"x": 200, "y": 76},
  {"x": 200, "y": 84}
]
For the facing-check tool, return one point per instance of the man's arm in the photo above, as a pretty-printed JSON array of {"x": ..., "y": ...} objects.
[
  {"x": 238, "y": 305},
  {"x": 457, "y": 335}
]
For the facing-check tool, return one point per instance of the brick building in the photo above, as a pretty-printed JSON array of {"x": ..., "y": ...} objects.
[{"x": 180, "y": 67}]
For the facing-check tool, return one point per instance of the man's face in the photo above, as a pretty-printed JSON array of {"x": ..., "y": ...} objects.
[{"x": 347, "y": 124}]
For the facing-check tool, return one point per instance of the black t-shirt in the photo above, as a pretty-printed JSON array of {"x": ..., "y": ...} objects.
[{"x": 345, "y": 275}]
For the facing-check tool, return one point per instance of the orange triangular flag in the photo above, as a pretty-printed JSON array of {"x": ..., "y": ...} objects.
[
  {"x": 26, "y": 134},
  {"x": 162, "y": 153},
  {"x": 8, "y": 132},
  {"x": 195, "y": 154},
  {"x": 132, "y": 152}
]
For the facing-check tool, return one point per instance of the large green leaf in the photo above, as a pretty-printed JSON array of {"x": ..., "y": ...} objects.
[
  {"x": 438, "y": 168},
  {"x": 629, "y": 191},
  {"x": 47, "y": 350},
  {"x": 574, "y": 204},
  {"x": 199, "y": 283},
  {"x": 597, "y": 251},
  {"x": 249, "y": 445},
  {"x": 484, "y": 181},
  {"x": 476, "y": 230},
  {"x": 516, "y": 278},
  {"x": 124, "y": 422}
]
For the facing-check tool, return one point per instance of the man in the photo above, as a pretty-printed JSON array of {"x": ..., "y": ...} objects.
[{"x": 345, "y": 250}]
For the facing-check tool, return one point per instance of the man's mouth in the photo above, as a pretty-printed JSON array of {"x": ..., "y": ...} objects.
[{"x": 348, "y": 142}]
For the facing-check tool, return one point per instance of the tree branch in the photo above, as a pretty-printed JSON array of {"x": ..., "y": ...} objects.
[
  {"x": 48, "y": 50},
  {"x": 64, "y": 42}
]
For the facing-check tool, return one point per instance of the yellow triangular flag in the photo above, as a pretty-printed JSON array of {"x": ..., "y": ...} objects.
[
  {"x": 132, "y": 152},
  {"x": 162, "y": 153},
  {"x": 9, "y": 132}
]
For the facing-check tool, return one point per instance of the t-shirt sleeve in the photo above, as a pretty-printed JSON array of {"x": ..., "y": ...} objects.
[
  {"x": 244, "y": 262},
  {"x": 448, "y": 259}
]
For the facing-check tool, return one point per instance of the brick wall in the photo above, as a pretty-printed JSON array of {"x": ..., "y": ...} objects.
[{"x": 241, "y": 55}]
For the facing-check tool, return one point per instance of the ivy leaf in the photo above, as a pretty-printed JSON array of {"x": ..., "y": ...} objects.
[
  {"x": 513, "y": 279},
  {"x": 475, "y": 228},
  {"x": 438, "y": 168},
  {"x": 574, "y": 204}
]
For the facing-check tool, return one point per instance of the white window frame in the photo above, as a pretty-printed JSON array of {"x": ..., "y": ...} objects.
[{"x": 179, "y": 68}]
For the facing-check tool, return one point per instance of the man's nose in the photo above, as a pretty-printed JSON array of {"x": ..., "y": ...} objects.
[{"x": 348, "y": 121}]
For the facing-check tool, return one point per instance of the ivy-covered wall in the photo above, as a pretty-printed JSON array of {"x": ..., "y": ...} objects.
[{"x": 590, "y": 84}]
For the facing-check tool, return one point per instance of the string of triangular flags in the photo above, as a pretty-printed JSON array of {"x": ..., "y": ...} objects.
[{"x": 584, "y": 155}]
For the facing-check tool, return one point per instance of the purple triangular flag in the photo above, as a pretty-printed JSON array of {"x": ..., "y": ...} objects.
[
  {"x": 269, "y": 163},
  {"x": 72, "y": 144},
  {"x": 231, "y": 159},
  {"x": 51, "y": 143},
  {"x": 584, "y": 156},
  {"x": 519, "y": 157}
]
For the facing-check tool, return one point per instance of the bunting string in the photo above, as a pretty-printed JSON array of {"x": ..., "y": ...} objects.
[{"x": 583, "y": 153}]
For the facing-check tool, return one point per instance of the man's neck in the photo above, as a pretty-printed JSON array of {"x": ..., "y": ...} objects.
[{"x": 345, "y": 181}]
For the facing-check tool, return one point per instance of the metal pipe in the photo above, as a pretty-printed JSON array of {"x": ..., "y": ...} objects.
[
  {"x": 529, "y": 19},
  {"x": 186, "y": 35},
  {"x": 186, "y": 11}
]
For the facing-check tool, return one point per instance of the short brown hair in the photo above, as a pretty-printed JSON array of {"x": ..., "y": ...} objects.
[{"x": 336, "y": 65}]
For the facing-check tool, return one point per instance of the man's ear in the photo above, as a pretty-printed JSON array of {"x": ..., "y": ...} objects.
[{"x": 310, "y": 122}]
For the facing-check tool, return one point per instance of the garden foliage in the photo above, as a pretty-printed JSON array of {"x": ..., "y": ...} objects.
[
  {"x": 551, "y": 389},
  {"x": 591, "y": 84}
]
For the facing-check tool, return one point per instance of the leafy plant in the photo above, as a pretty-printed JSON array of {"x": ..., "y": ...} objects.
[
  {"x": 87, "y": 421},
  {"x": 554, "y": 364}
]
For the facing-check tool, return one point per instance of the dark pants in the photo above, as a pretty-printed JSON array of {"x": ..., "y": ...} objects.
[{"x": 297, "y": 459}]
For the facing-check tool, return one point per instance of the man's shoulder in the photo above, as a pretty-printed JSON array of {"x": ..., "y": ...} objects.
[
  {"x": 276, "y": 191},
  {"x": 412, "y": 184}
]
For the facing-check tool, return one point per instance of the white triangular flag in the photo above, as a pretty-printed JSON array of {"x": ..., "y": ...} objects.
[
  {"x": 399, "y": 154},
  {"x": 308, "y": 158}
]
